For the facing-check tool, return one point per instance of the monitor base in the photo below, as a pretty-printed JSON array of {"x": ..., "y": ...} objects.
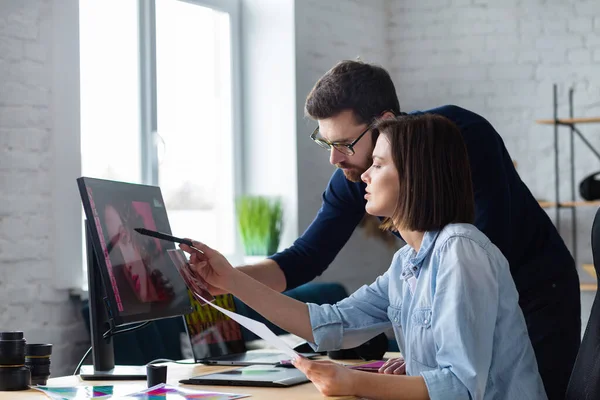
[{"x": 118, "y": 373}]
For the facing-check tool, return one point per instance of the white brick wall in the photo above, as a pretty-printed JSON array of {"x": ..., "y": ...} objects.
[
  {"x": 500, "y": 58},
  {"x": 29, "y": 300}
]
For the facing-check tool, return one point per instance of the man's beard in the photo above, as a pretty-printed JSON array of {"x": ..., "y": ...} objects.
[{"x": 352, "y": 173}]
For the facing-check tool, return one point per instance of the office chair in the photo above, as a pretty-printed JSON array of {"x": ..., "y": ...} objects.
[{"x": 585, "y": 378}]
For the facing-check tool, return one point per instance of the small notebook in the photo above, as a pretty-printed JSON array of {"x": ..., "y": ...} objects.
[{"x": 370, "y": 367}]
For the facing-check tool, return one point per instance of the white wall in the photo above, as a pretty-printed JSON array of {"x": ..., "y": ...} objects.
[
  {"x": 269, "y": 117},
  {"x": 500, "y": 59},
  {"x": 30, "y": 297},
  {"x": 327, "y": 32}
]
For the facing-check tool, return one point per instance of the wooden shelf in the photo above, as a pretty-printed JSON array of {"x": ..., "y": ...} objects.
[
  {"x": 567, "y": 204},
  {"x": 546, "y": 204},
  {"x": 589, "y": 286},
  {"x": 590, "y": 270},
  {"x": 569, "y": 121}
]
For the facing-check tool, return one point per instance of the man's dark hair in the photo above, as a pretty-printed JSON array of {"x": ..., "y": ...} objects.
[
  {"x": 365, "y": 89},
  {"x": 433, "y": 170}
]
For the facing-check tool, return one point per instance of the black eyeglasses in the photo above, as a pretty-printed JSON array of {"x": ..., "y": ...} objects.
[{"x": 344, "y": 148}]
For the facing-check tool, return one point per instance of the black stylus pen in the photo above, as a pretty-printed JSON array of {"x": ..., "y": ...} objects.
[{"x": 165, "y": 236}]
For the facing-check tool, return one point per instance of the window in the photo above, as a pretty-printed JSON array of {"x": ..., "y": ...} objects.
[
  {"x": 110, "y": 90},
  {"x": 158, "y": 105}
]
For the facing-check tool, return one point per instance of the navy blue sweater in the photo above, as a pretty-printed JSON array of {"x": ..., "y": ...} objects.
[{"x": 505, "y": 210}]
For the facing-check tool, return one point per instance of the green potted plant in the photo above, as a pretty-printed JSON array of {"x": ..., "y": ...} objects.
[{"x": 260, "y": 219}]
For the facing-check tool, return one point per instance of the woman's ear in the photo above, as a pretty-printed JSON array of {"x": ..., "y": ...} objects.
[{"x": 388, "y": 115}]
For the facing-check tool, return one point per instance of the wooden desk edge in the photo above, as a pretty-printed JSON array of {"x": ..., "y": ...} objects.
[{"x": 569, "y": 121}]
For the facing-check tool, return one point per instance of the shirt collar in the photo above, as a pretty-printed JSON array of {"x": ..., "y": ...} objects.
[{"x": 413, "y": 260}]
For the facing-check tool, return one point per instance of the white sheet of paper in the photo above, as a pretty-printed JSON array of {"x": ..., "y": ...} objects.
[{"x": 258, "y": 328}]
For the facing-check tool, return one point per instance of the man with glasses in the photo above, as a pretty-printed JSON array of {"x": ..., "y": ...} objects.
[{"x": 344, "y": 102}]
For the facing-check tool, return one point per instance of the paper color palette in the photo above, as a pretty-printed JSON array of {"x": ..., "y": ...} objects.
[
  {"x": 168, "y": 392},
  {"x": 88, "y": 392},
  {"x": 158, "y": 392}
]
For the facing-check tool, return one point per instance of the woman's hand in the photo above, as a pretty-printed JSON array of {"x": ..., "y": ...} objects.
[
  {"x": 210, "y": 265},
  {"x": 394, "y": 366},
  {"x": 330, "y": 378}
]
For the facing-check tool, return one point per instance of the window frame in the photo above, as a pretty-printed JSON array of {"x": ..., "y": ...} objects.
[{"x": 66, "y": 236}]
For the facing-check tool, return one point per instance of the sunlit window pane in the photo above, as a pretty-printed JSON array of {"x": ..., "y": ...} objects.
[
  {"x": 194, "y": 121},
  {"x": 110, "y": 106}
]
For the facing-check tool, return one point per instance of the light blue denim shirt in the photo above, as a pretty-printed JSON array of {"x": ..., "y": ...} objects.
[{"x": 462, "y": 329}]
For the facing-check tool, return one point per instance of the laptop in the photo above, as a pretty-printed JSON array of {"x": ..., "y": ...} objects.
[
  {"x": 254, "y": 375},
  {"x": 217, "y": 339}
]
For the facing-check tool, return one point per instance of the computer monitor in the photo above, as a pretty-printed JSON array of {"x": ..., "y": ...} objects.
[{"x": 132, "y": 278}]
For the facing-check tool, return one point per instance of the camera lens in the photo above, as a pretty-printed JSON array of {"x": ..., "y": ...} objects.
[
  {"x": 14, "y": 378},
  {"x": 13, "y": 373},
  {"x": 12, "y": 348},
  {"x": 37, "y": 359}
]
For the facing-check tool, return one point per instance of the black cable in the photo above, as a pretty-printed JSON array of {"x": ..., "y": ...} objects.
[
  {"x": 82, "y": 360},
  {"x": 108, "y": 334},
  {"x": 164, "y": 360}
]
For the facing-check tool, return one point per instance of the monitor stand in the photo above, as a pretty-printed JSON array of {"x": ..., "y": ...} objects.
[
  {"x": 102, "y": 349},
  {"x": 118, "y": 373}
]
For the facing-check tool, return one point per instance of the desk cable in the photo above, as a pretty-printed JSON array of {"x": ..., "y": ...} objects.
[
  {"x": 107, "y": 335},
  {"x": 165, "y": 360}
]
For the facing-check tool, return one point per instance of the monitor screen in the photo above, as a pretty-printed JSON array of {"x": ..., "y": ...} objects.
[{"x": 139, "y": 276}]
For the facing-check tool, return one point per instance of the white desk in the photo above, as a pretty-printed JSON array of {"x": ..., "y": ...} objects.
[{"x": 176, "y": 372}]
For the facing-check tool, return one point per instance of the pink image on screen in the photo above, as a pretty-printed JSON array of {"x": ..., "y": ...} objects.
[
  {"x": 145, "y": 211},
  {"x": 137, "y": 257}
]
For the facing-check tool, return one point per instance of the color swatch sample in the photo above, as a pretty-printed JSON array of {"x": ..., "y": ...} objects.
[
  {"x": 88, "y": 392},
  {"x": 158, "y": 392},
  {"x": 168, "y": 392}
]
